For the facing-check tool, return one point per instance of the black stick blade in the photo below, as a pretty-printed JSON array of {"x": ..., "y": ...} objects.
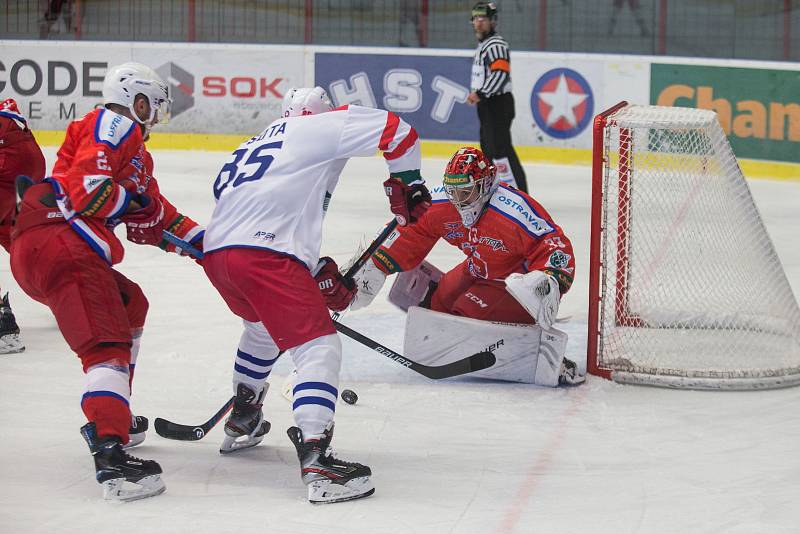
[
  {"x": 482, "y": 360},
  {"x": 170, "y": 430},
  {"x": 470, "y": 364}
]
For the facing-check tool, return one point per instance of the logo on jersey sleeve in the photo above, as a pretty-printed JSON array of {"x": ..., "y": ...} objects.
[
  {"x": 514, "y": 207},
  {"x": 387, "y": 243},
  {"x": 92, "y": 181},
  {"x": 562, "y": 103},
  {"x": 558, "y": 260},
  {"x": 112, "y": 129}
]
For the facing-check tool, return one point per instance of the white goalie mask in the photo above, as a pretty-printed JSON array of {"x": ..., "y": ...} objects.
[
  {"x": 305, "y": 101},
  {"x": 469, "y": 182},
  {"x": 123, "y": 82}
]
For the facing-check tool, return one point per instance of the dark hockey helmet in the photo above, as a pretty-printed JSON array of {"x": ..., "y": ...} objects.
[
  {"x": 469, "y": 182},
  {"x": 485, "y": 9}
]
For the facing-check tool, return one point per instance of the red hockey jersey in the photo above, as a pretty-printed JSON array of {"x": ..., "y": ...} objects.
[
  {"x": 513, "y": 235},
  {"x": 101, "y": 166}
]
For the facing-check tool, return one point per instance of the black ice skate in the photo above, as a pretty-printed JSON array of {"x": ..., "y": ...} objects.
[
  {"x": 10, "y": 341},
  {"x": 124, "y": 478},
  {"x": 569, "y": 375},
  {"x": 245, "y": 426},
  {"x": 329, "y": 479},
  {"x": 137, "y": 431}
]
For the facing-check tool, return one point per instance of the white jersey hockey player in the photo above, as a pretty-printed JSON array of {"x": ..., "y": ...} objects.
[{"x": 261, "y": 246}]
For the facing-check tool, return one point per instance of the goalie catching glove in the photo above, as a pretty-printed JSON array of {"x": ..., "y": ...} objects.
[
  {"x": 407, "y": 201},
  {"x": 146, "y": 224},
  {"x": 337, "y": 290},
  {"x": 538, "y": 293}
]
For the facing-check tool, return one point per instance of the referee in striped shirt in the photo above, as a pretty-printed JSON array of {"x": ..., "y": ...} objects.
[{"x": 491, "y": 91}]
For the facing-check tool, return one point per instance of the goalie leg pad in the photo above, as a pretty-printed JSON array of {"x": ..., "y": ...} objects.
[{"x": 524, "y": 353}]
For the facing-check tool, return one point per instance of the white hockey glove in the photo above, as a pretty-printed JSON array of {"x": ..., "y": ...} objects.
[
  {"x": 369, "y": 281},
  {"x": 538, "y": 293}
]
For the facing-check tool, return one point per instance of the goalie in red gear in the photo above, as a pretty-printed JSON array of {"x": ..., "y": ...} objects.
[
  {"x": 64, "y": 249},
  {"x": 518, "y": 260}
]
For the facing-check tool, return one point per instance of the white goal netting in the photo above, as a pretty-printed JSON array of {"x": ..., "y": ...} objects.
[{"x": 692, "y": 291}]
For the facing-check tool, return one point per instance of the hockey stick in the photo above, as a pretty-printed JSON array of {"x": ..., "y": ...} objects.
[
  {"x": 376, "y": 244},
  {"x": 170, "y": 430},
  {"x": 367, "y": 254},
  {"x": 476, "y": 362},
  {"x": 183, "y": 245},
  {"x": 190, "y": 249}
]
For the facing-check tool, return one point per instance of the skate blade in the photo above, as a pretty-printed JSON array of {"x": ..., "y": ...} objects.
[
  {"x": 134, "y": 440},
  {"x": 327, "y": 492},
  {"x": 11, "y": 344},
  {"x": 234, "y": 444},
  {"x": 119, "y": 489}
]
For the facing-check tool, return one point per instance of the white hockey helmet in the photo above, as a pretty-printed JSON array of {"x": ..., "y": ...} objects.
[
  {"x": 305, "y": 101},
  {"x": 123, "y": 82}
]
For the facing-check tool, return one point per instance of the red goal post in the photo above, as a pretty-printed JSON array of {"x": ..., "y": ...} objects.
[{"x": 685, "y": 287}]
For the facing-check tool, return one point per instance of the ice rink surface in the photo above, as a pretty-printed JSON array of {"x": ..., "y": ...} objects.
[{"x": 460, "y": 456}]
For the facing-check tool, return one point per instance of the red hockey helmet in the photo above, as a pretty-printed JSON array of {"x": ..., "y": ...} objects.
[{"x": 469, "y": 182}]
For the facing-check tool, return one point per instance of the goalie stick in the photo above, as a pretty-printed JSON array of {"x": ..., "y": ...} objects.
[
  {"x": 367, "y": 254},
  {"x": 170, "y": 430},
  {"x": 475, "y": 362},
  {"x": 190, "y": 249},
  {"x": 370, "y": 250}
]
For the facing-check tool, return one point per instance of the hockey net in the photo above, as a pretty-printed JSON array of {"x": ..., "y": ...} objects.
[{"x": 686, "y": 289}]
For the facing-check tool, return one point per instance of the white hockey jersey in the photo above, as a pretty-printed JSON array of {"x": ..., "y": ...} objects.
[{"x": 275, "y": 190}]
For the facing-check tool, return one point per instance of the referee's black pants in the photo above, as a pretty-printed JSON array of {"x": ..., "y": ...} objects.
[{"x": 495, "y": 115}]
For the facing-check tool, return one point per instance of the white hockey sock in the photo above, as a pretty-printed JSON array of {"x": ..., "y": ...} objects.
[
  {"x": 318, "y": 363},
  {"x": 107, "y": 379},
  {"x": 255, "y": 356}
]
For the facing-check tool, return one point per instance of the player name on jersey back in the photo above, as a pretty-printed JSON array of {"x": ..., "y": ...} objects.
[{"x": 273, "y": 191}]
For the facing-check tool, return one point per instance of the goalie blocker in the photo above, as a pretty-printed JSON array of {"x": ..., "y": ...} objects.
[{"x": 524, "y": 353}]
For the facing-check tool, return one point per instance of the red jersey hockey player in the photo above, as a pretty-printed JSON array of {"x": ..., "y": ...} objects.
[
  {"x": 20, "y": 155},
  {"x": 262, "y": 245},
  {"x": 519, "y": 263},
  {"x": 64, "y": 249}
]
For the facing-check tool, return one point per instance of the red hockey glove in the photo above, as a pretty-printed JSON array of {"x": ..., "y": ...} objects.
[
  {"x": 145, "y": 225},
  {"x": 407, "y": 202},
  {"x": 337, "y": 291}
]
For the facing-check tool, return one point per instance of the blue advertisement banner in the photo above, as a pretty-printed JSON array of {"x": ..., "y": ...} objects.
[{"x": 428, "y": 92}]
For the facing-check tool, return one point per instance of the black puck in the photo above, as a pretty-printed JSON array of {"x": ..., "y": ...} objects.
[{"x": 349, "y": 396}]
